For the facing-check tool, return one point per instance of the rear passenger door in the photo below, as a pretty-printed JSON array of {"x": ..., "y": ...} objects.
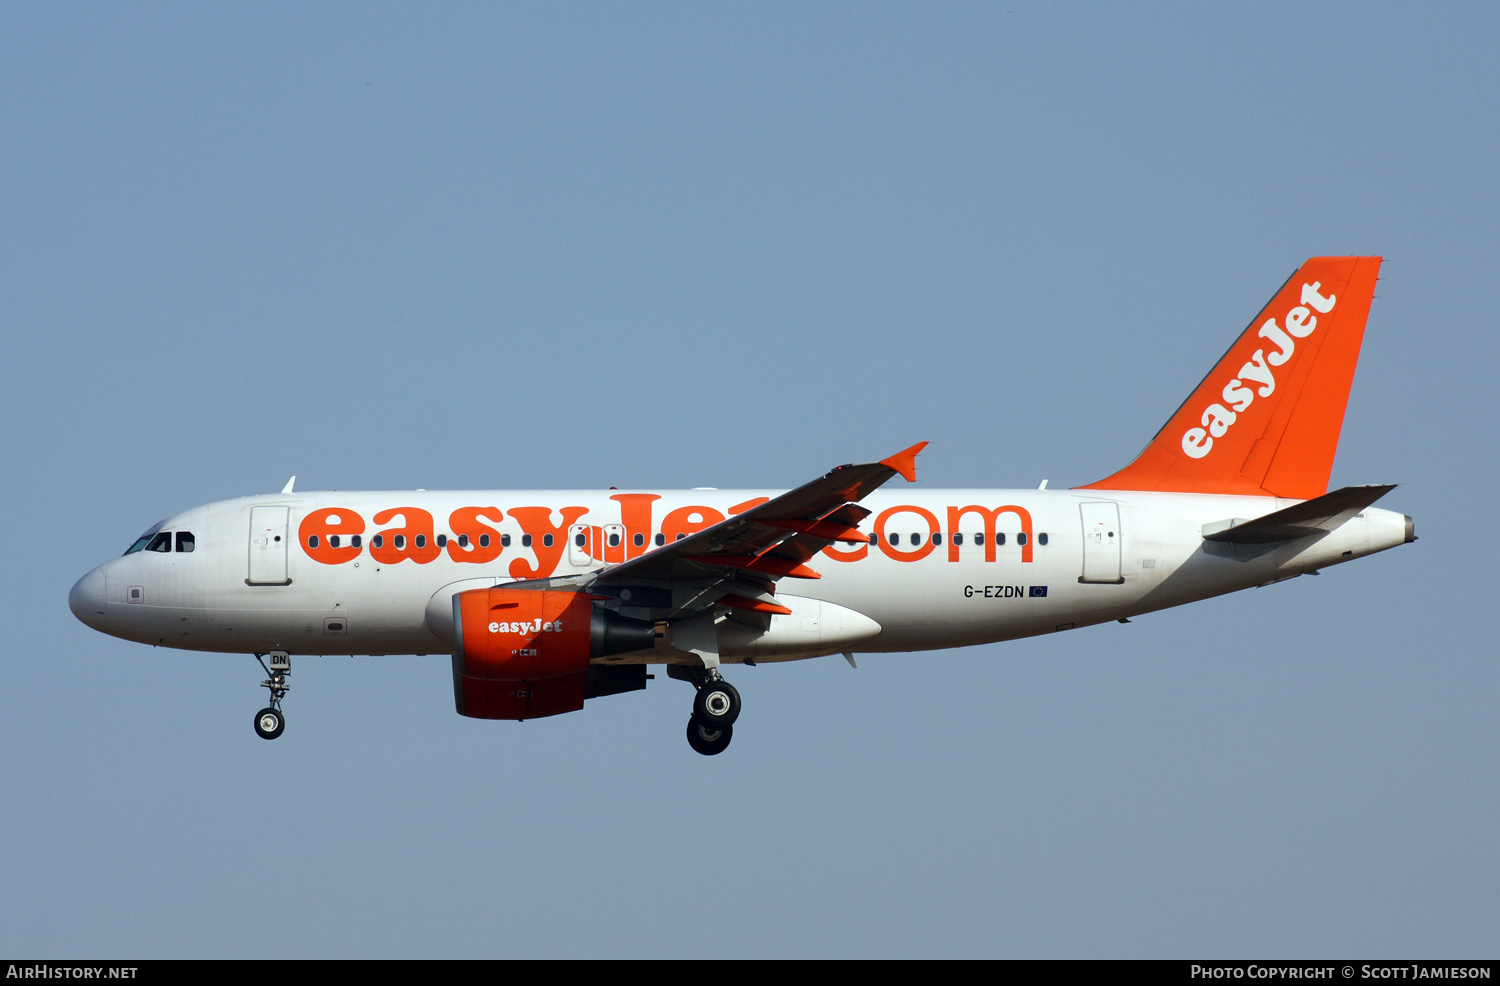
[{"x": 1101, "y": 542}]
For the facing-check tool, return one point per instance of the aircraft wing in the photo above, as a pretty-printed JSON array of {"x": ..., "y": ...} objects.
[{"x": 773, "y": 540}]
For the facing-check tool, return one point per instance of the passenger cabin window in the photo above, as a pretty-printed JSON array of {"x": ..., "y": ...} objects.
[
  {"x": 661, "y": 539},
  {"x": 1021, "y": 538},
  {"x": 463, "y": 540},
  {"x": 937, "y": 537},
  {"x": 312, "y": 541},
  {"x": 1000, "y": 538},
  {"x": 354, "y": 541},
  {"x": 895, "y": 539},
  {"x": 161, "y": 542},
  {"x": 484, "y": 540},
  {"x": 546, "y": 540},
  {"x": 442, "y": 540},
  {"x": 639, "y": 539},
  {"x": 421, "y": 540},
  {"x": 979, "y": 539},
  {"x": 400, "y": 541},
  {"x": 958, "y": 538},
  {"x": 1041, "y": 539},
  {"x": 504, "y": 541},
  {"x": 525, "y": 540},
  {"x": 185, "y": 541},
  {"x": 377, "y": 541},
  {"x": 333, "y": 540}
]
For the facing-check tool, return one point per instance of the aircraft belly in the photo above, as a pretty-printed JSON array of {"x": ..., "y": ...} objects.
[{"x": 936, "y": 604}]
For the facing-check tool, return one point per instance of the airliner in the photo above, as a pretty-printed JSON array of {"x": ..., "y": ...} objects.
[{"x": 546, "y": 599}]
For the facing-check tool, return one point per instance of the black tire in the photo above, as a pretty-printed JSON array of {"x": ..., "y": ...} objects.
[
  {"x": 708, "y": 740},
  {"x": 269, "y": 723},
  {"x": 717, "y": 704}
]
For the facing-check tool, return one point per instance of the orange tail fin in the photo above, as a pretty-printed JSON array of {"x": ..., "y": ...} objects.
[{"x": 1266, "y": 419}]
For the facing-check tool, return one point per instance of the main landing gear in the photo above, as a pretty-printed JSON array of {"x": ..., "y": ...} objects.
[
  {"x": 269, "y": 722},
  {"x": 716, "y": 706},
  {"x": 708, "y": 740}
]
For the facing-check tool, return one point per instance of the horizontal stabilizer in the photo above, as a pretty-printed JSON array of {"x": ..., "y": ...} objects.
[{"x": 1316, "y": 516}]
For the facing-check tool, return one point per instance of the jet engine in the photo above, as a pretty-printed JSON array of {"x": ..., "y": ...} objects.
[{"x": 524, "y": 653}]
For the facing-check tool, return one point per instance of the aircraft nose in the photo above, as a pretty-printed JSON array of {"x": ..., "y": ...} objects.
[{"x": 86, "y": 599}]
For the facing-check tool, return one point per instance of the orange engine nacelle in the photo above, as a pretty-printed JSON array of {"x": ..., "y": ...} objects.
[{"x": 524, "y": 654}]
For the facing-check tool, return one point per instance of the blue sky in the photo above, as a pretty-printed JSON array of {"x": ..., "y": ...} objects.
[{"x": 480, "y": 246}]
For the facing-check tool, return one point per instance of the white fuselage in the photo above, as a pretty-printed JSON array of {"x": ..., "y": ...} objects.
[{"x": 253, "y": 584}]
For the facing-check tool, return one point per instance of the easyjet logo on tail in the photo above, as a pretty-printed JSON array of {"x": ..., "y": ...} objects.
[{"x": 1257, "y": 376}]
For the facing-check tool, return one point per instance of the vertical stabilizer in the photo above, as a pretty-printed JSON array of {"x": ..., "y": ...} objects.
[{"x": 1266, "y": 419}]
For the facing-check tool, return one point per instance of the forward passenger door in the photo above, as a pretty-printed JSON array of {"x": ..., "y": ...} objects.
[{"x": 268, "y": 546}]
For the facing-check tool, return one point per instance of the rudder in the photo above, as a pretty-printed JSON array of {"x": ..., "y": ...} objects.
[{"x": 1266, "y": 419}]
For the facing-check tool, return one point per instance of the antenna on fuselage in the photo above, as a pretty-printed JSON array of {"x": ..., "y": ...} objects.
[{"x": 289, "y": 484}]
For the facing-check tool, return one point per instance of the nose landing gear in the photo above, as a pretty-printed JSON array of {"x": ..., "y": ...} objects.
[{"x": 269, "y": 722}]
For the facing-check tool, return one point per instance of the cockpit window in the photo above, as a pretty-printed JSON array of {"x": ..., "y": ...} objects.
[
  {"x": 160, "y": 542},
  {"x": 185, "y": 541},
  {"x": 145, "y": 539}
]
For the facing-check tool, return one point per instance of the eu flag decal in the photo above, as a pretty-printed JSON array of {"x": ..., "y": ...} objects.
[{"x": 1038, "y": 590}]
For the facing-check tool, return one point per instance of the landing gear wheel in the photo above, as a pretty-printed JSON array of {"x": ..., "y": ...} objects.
[
  {"x": 269, "y": 723},
  {"x": 717, "y": 704},
  {"x": 708, "y": 740}
]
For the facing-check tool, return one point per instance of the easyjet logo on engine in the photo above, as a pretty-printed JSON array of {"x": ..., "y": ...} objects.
[
  {"x": 533, "y": 626},
  {"x": 1255, "y": 377}
]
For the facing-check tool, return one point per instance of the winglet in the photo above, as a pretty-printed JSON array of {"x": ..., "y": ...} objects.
[
  {"x": 905, "y": 462},
  {"x": 289, "y": 484}
]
